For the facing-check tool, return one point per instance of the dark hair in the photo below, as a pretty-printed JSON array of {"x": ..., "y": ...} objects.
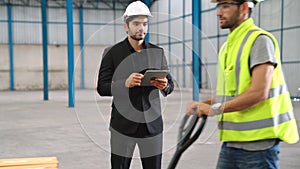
[
  {"x": 129, "y": 18},
  {"x": 242, "y": 1},
  {"x": 250, "y": 9}
]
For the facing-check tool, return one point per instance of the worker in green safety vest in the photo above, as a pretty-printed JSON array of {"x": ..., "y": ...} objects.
[{"x": 252, "y": 101}]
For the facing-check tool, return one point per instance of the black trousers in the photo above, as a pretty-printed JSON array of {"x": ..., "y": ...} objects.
[{"x": 122, "y": 149}]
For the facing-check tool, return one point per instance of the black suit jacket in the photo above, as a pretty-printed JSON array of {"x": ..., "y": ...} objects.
[{"x": 137, "y": 105}]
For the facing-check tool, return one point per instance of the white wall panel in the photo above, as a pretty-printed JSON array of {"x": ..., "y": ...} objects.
[
  {"x": 3, "y": 12},
  {"x": 292, "y": 78},
  {"x": 96, "y": 35},
  {"x": 209, "y": 23},
  {"x": 176, "y": 51},
  {"x": 163, "y": 6},
  {"x": 119, "y": 15},
  {"x": 209, "y": 75},
  {"x": 207, "y": 5},
  {"x": 291, "y": 13},
  {"x": 75, "y": 15},
  {"x": 3, "y": 25},
  {"x": 57, "y": 15},
  {"x": 76, "y": 34},
  {"x": 270, "y": 17},
  {"x": 291, "y": 41},
  {"x": 176, "y": 30},
  {"x": 91, "y": 15},
  {"x": 188, "y": 52},
  {"x": 4, "y": 33},
  {"x": 22, "y": 13},
  {"x": 188, "y": 7},
  {"x": 153, "y": 32},
  {"x": 26, "y": 25},
  {"x": 209, "y": 51},
  {"x": 27, "y": 33},
  {"x": 120, "y": 35},
  {"x": 163, "y": 32},
  {"x": 57, "y": 34},
  {"x": 98, "y": 16},
  {"x": 176, "y": 8},
  {"x": 277, "y": 35},
  {"x": 188, "y": 28},
  {"x": 91, "y": 35}
]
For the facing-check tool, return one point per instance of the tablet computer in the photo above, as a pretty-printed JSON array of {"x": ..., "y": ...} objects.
[{"x": 152, "y": 74}]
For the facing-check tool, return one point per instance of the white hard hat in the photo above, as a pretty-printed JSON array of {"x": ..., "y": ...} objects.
[
  {"x": 251, "y": 3},
  {"x": 136, "y": 8}
]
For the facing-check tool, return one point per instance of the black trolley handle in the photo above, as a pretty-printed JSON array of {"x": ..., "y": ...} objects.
[{"x": 187, "y": 139}]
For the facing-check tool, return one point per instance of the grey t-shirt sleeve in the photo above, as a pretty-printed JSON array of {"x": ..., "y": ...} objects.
[{"x": 263, "y": 51}]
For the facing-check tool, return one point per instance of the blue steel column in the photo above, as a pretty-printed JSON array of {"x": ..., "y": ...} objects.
[
  {"x": 196, "y": 20},
  {"x": 11, "y": 49},
  {"x": 147, "y": 38},
  {"x": 115, "y": 24},
  {"x": 45, "y": 47},
  {"x": 183, "y": 44},
  {"x": 70, "y": 52},
  {"x": 81, "y": 46}
]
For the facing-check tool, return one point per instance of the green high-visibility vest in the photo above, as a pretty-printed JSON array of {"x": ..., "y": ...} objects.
[{"x": 271, "y": 118}]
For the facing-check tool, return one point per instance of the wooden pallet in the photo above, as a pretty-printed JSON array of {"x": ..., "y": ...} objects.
[{"x": 29, "y": 163}]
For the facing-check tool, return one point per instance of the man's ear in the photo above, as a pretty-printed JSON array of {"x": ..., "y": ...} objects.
[
  {"x": 126, "y": 27},
  {"x": 245, "y": 8}
]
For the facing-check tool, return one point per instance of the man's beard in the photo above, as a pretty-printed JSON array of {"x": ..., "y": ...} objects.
[{"x": 135, "y": 38}]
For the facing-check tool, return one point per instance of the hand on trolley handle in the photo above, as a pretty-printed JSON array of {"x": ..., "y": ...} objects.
[{"x": 188, "y": 132}]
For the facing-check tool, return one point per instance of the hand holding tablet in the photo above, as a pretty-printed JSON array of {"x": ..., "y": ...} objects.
[{"x": 152, "y": 74}]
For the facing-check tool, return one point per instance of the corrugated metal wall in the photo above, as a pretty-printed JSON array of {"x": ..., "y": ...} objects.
[
  {"x": 3, "y": 25},
  {"x": 170, "y": 28},
  {"x": 100, "y": 27},
  {"x": 269, "y": 17}
]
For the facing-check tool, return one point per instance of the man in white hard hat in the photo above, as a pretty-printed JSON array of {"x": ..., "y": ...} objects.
[
  {"x": 136, "y": 109},
  {"x": 252, "y": 102}
]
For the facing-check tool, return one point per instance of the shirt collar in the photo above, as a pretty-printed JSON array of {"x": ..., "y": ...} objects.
[
  {"x": 237, "y": 32},
  {"x": 131, "y": 49}
]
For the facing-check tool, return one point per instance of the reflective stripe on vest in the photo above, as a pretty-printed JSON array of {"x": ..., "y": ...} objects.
[
  {"x": 238, "y": 67},
  {"x": 258, "y": 124},
  {"x": 272, "y": 93}
]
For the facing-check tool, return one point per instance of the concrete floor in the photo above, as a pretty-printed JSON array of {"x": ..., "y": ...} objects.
[{"x": 79, "y": 137}]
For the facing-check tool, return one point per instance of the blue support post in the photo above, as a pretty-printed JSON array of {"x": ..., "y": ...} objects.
[
  {"x": 196, "y": 20},
  {"x": 82, "y": 86},
  {"x": 183, "y": 43},
  {"x": 45, "y": 47},
  {"x": 70, "y": 52},
  {"x": 281, "y": 29},
  {"x": 147, "y": 38},
  {"x": 11, "y": 49},
  {"x": 115, "y": 24}
]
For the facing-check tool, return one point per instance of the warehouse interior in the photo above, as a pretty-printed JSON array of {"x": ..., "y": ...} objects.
[
  {"x": 50, "y": 53},
  {"x": 98, "y": 24}
]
